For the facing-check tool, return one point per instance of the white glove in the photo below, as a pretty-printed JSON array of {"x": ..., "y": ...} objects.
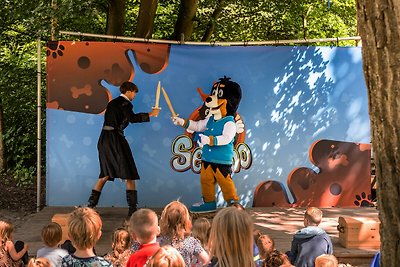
[
  {"x": 178, "y": 121},
  {"x": 204, "y": 140},
  {"x": 239, "y": 126}
]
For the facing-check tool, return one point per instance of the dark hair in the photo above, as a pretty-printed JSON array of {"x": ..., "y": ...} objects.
[
  {"x": 128, "y": 86},
  {"x": 275, "y": 259}
]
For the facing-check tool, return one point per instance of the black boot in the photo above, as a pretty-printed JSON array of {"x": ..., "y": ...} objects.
[
  {"x": 131, "y": 198},
  {"x": 94, "y": 199}
]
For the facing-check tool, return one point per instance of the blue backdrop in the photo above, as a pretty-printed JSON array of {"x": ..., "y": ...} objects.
[{"x": 292, "y": 96}]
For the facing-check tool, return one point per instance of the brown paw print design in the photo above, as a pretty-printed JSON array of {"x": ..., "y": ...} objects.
[
  {"x": 343, "y": 180},
  {"x": 75, "y": 70}
]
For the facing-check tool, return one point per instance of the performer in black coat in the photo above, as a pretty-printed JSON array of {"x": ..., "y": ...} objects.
[{"x": 115, "y": 156}]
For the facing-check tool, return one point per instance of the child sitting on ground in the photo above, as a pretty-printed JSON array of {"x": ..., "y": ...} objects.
[
  {"x": 144, "y": 227},
  {"x": 84, "y": 230},
  {"x": 311, "y": 241},
  {"x": 175, "y": 224},
  {"x": 121, "y": 241},
  {"x": 326, "y": 260},
  {"x": 201, "y": 230},
  {"x": 11, "y": 255},
  {"x": 51, "y": 235},
  {"x": 231, "y": 239},
  {"x": 166, "y": 256},
  {"x": 265, "y": 246},
  {"x": 39, "y": 262}
]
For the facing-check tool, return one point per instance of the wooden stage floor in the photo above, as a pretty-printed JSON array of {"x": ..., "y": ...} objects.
[{"x": 279, "y": 223}]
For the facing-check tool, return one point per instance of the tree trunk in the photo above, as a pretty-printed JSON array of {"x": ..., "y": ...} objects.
[
  {"x": 211, "y": 24},
  {"x": 145, "y": 21},
  {"x": 3, "y": 160},
  {"x": 116, "y": 17},
  {"x": 184, "y": 23},
  {"x": 304, "y": 18},
  {"x": 378, "y": 23}
]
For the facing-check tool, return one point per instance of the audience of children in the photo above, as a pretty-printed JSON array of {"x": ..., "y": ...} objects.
[
  {"x": 231, "y": 239},
  {"x": 311, "y": 241},
  {"x": 84, "y": 230},
  {"x": 40, "y": 262},
  {"x": 11, "y": 255},
  {"x": 51, "y": 236},
  {"x": 166, "y": 256},
  {"x": 326, "y": 260},
  {"x": 201, "y": 230},
  {"x": 175, "y": 224},
  {"x": 144, "y": 227},
  {"x": 120, "y": 242},
  {"x": 228, "y": 242}
]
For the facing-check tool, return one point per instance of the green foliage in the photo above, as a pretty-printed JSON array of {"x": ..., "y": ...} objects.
[{"x": 18, "y": 86}]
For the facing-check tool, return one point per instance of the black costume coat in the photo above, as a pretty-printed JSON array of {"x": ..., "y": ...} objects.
[{"x": 115, "y": 155}]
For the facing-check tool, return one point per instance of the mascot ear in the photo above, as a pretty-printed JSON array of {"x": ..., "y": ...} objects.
[
  {"x": 234, "y": 100},
  {"x": 202, "y": 94}
]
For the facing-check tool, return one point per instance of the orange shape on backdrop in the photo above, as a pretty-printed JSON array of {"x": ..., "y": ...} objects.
[
  {"x": 75, "y": 69},
  {"x": 270, "y": 194},
  {"x": 343, "y": 179}
]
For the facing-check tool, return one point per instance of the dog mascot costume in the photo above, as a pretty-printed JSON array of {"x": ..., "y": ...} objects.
[{"x": 217, "y": 142}]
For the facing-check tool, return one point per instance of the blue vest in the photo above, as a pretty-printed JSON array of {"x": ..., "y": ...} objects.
[{"x": 218, "y": 154}]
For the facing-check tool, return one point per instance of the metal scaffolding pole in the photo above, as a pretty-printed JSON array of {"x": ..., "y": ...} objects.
[
  {"x": 39, "y": 128},
  {"x": 244, "y": 43}
]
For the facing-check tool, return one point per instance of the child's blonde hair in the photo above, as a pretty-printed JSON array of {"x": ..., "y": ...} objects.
[
  {"x": 39, "y": 262},
  {"x": 326, "y": 260},
  {"x": 231, "y": 238},
  {"x": 144, "y": 224},
  {"x": 6, "y": 230},
  {"x": 84, "y": 227},
  {"x": 175, "y": 220},
  {"x": 313, "y": 216},
  {"x": 51, "y": 234},
  {"x": 166, "y": 256},
  {"x": 201, "y": 230},
  {"x": 121, "y": 240}
]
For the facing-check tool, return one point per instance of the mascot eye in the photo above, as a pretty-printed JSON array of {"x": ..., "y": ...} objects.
[
  {"x": 220, "y": 93},
  {"x": 213, "y": 91}
]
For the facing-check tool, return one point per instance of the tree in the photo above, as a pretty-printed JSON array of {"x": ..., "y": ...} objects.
[
  {"x": 184, "y": 24},
  {"x": 3, "y": 160},
  {"x": 211, "y": 24},
  {"x": 147, "y": 13},
  {"x": 116, "y": 17},
  {"x": 378, "y": 24}
]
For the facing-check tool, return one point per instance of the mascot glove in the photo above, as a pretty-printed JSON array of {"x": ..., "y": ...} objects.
[
  {"x": 178, "y": 121},
  {"x": 239, "y": 126},
  {"x": 204, "y": 140}
]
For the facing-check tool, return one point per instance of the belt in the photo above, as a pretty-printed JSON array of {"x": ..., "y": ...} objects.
[{"x": 108, "y": 128}]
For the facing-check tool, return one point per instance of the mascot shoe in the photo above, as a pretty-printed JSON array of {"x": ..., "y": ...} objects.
[{"x": 204, "y": 207}]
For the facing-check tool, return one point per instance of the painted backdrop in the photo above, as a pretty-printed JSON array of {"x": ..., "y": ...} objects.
[{"x": 292, "y": 97}]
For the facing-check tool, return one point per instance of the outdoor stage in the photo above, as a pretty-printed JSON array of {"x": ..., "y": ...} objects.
[{"x": 279, "y": 223}]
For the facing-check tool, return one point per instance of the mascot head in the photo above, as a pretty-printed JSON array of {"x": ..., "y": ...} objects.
[{"x": 224, "y": 98}]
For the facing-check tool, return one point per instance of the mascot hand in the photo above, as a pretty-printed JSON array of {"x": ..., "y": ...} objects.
[
  {"x": 239, "y": 126},
  {"x": 204, "y": 140},
  {"x": 178, "y": 121}
]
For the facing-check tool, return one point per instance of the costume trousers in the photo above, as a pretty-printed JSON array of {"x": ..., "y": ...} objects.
[{"x": 208, "y": 180}]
